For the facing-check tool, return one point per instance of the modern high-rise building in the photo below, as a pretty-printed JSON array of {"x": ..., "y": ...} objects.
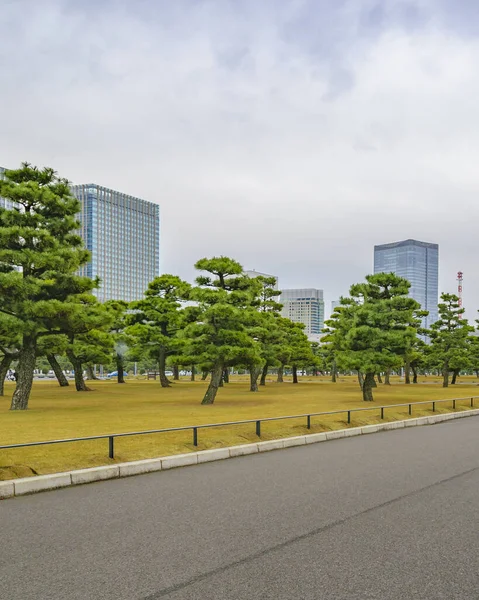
[
  {"x": 123, "y": 235},
  {"x": 253, "y": 273},
  {"x": 4, "y": 203},
  {"x": 418, "y": 262},
  {"x": 304, "y": 306}
]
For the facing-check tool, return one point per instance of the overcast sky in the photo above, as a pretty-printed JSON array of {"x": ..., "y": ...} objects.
[{"x": 292, "y": 135}]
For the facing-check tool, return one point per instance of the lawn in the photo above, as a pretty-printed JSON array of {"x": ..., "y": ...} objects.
[{"x": 57, "y": 413}]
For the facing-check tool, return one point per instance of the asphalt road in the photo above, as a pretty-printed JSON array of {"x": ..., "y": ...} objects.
[{"x": 393, "y": 515}]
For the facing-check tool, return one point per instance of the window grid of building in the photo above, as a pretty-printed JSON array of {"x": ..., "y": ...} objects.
[
  {"x": 304, "y": 306},
  {"x": 122, "y": 233},
  {"x": 418, "y": 262}
]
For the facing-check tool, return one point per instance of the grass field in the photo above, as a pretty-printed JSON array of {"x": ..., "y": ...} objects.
[{"x": 111, "y": 408}]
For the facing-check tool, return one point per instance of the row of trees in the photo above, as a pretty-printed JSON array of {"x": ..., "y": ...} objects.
[
  {"x": 48, "y": 310},
  {"x": 377, "y": 330},
  {"x": 225, "y": 320}
]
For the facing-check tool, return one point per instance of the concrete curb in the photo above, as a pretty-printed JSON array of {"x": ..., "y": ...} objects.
[{"x": 40, "y": 483}]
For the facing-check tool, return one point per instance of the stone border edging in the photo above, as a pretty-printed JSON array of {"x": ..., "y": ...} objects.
[{"x": 39, "y": 483}]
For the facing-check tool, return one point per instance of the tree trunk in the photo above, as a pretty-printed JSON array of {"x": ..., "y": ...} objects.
[
  {"x": 368, "y": 387},
  {"x": 176, "y": 373},
  {"x": 204, "y": 375},
  {"x": 26, "y": 366},
  {"x": 477, "y": 373},
  {"x": 80, "y": 384},
  {"x": 264, "y": 372},
  {"x": 407, "y": 371},
  {"x": 162, "y": 368},
  {"x": 455, "y": 375},
  {"x": 386, "y": 377},
  {"x": 414, "y": 374},
  {"x": 333, "y": 372},
  {"x": 90, "y": 375},
  {"x": 253, "y": 378},
  {"x": 279, "y": 379},
  {"x": 295, "y": 374},
  {"x": 216, "y": 378},
  {"x": 4, "y": 366},
  {"x": 379, "y": 378},
  {"x": 59, "y": 374},
  {"x": 445, "y": 376},
  {"x": 360, "y": 379},
  {"x": 193, "y": 372},
  {"x": 120, "y": 369},
  {"x": 226, "y": 375}
]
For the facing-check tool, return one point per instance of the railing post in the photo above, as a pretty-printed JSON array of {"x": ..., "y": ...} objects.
[
  {"x": 472, "y": 402},
  {"x": 454, "y": 404},
  {"x": 309, "y": 422},
  {"x": 382, "y": 412},
  {"x": 195, "y": 436},
  {"x": 433, "y": 407},
  {"x": 410, "y": 409},
  {"x": 110, "y": 447},
  {"x": 258, "y": 428},
  {"x": 349, "y": 417}
]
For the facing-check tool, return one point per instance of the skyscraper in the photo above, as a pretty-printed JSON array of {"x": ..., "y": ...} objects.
[
  {"x": 418, "y": 262},
  {"x": 123, "y": 235},
  {"x": 304, "y": 306},
  {"x": 253, "y": 273},
  {"x": 4, "y": 203}
]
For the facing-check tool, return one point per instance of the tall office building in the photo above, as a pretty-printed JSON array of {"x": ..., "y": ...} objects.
[
  {"x": 123, "y": 235},
  {"x": 4, "y": 203},
  {"x": 253, "y": 273},
  {"x": 418, "y": 262},
  {"x": 305, "y": 306}
]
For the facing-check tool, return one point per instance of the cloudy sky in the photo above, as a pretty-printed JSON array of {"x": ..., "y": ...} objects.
[{"x": 292, "y": 135}]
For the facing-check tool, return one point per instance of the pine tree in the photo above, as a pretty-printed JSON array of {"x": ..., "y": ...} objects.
[{"x": 40, "y": 252}]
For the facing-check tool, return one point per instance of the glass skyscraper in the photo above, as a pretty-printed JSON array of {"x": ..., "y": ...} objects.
[
  {"x": 4, "y": 203},
  {"x": 123, "y": 235},
  {"x": 418, "y": 262}
]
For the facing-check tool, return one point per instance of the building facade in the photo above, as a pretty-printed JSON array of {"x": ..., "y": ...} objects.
[
  {"x": 418, "y": 262},
  {"x": 253, "y": 273},
  {"x": 123, "y": 235},
  {"x": 304, "y": 306},
  {"x": 4, "y": 203}
]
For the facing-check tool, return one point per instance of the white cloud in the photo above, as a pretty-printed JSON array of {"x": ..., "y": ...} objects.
[{"x": 276, "y": 132}]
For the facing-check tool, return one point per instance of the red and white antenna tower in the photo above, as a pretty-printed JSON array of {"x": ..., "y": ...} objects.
[{"x": 459, "y": 289}]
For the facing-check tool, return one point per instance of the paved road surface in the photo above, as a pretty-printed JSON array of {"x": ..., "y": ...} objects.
[{"x": 393, "y": 515}]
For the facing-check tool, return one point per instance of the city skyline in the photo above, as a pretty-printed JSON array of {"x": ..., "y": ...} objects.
[
  {"x": 328, "y": 294},
  {"x": 275, "y": 132}
]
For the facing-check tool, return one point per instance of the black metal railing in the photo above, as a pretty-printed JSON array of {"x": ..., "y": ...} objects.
[{"x": 194, "y": 428}]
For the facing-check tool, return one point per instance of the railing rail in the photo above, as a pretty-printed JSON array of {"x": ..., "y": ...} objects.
[{"x": 195, "y": 428}]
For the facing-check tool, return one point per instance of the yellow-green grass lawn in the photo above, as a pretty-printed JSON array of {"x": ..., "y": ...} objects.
[{"x": 57, "y": 413}]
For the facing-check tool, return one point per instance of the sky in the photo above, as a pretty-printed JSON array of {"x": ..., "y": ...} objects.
[{"x": 292, "y": 135}]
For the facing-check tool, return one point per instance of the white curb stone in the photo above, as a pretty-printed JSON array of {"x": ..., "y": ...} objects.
[
  {"x": 7, "y": 489},
  {"x": 180, "y": 460},
  {"x": 298, "y": 440},
  {"x": 215, "y": 454},
  {"x": 30, "y": 485},
  {"x": 95, "y": 474},
  {"x": 140, "y": 466},
  {"x": 314, "y": 438},
  {"x": 410, "y": 423},
  {"x": 243, "y": 450},
  {"x": 369, "y": 429},
  {"x": 352, "y": 432},
  {"x": 334, "y": 435},
  {"x": 270, "y": 445}
]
